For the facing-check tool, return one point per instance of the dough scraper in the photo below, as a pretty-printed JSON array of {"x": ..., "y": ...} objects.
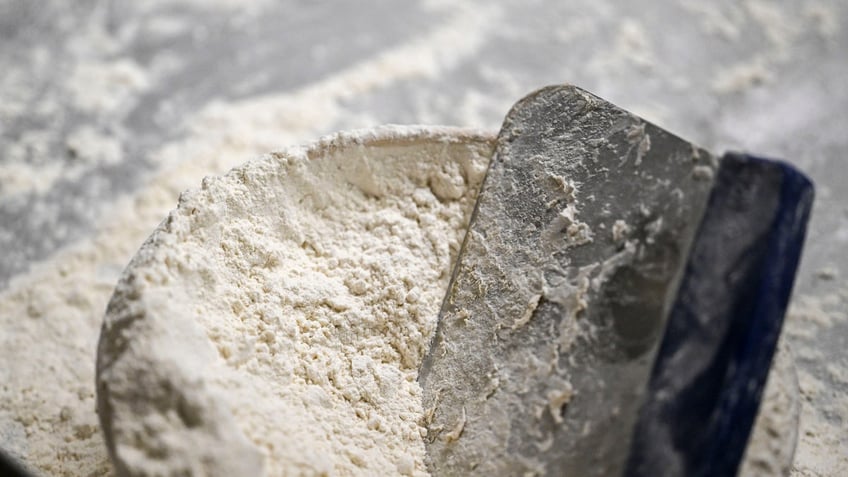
[{"x": 616, "y": 302}]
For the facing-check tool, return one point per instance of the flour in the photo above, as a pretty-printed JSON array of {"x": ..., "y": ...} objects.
[
  {"x": 743, "y": 76},
  {"x": 725, "y": 20},
  {"x": 106, "y": 86},
  {"x": 779, "y": 415},
  {"x": 824, "y": 17},
  {"x": 278, "y": 317},
  {"x": 47, "y": 416},
  {"x": 51, "y": 313},
  {"x": 91, "y": 147},
  {"x": 823, "y": 436},
  {"x": 779, "y": 26},
  {"x": 28, "y": 171},
  {"x": 47, "y": 410}
]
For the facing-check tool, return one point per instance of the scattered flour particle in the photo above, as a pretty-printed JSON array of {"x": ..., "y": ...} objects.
[
  {"x": 89, "y": 146},
  {"x": 620, "y": 229},
  {"x": 742, "y": 77},
  {"x": 827, "y": 273},
  {"x": 106, "y": 87},
  {"x": 702, "y": 173}
]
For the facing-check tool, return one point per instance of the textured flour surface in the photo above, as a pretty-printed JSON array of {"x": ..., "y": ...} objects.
[
  {"x": 823, "y": 435},
  {"x": 51, "y": 315},
  {"x": 281, "y": 312}
]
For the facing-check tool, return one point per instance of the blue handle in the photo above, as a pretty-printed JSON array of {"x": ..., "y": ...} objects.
[{"x": 723, "y": 326}]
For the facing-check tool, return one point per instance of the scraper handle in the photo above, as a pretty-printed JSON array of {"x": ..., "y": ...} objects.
[{"x": 723, "y": 325}]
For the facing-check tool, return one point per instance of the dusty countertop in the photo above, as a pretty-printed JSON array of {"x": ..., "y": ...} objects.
[{"x": 108, "y": 109}]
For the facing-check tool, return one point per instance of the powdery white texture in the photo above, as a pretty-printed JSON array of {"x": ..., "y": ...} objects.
[
  {"x": 823, "y": 436},
  {"x": 775, "y": 433},
  {"x": 47, "y": 413},
  {"x": 277, "y": 319},
  {"x": 50, "y": 316},
  {"x": 107, "y": 86},
  {"x": 86, "y": 147},
  {"x": 780, "y": 26}
]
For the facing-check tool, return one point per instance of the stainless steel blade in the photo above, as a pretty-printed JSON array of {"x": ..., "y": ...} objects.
[{"x": 556, "y": 306}]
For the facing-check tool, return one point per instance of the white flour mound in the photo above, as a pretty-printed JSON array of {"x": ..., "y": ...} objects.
[{"x": 275, "y": 321}]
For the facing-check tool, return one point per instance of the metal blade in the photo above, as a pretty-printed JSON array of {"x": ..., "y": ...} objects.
[{"x": 551, "y": 323}]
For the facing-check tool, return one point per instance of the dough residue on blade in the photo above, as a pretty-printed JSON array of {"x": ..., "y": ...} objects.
[{"x": 277, "y": 318}]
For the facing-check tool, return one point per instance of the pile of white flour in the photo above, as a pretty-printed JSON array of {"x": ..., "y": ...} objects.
[{"x": 275, "y": 322}]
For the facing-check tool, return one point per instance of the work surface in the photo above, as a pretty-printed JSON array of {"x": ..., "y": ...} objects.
[{"x": 109, "y": 109}]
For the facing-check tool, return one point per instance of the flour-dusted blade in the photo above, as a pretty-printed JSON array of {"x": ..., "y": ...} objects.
[{"x": 548, "y": 332}]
